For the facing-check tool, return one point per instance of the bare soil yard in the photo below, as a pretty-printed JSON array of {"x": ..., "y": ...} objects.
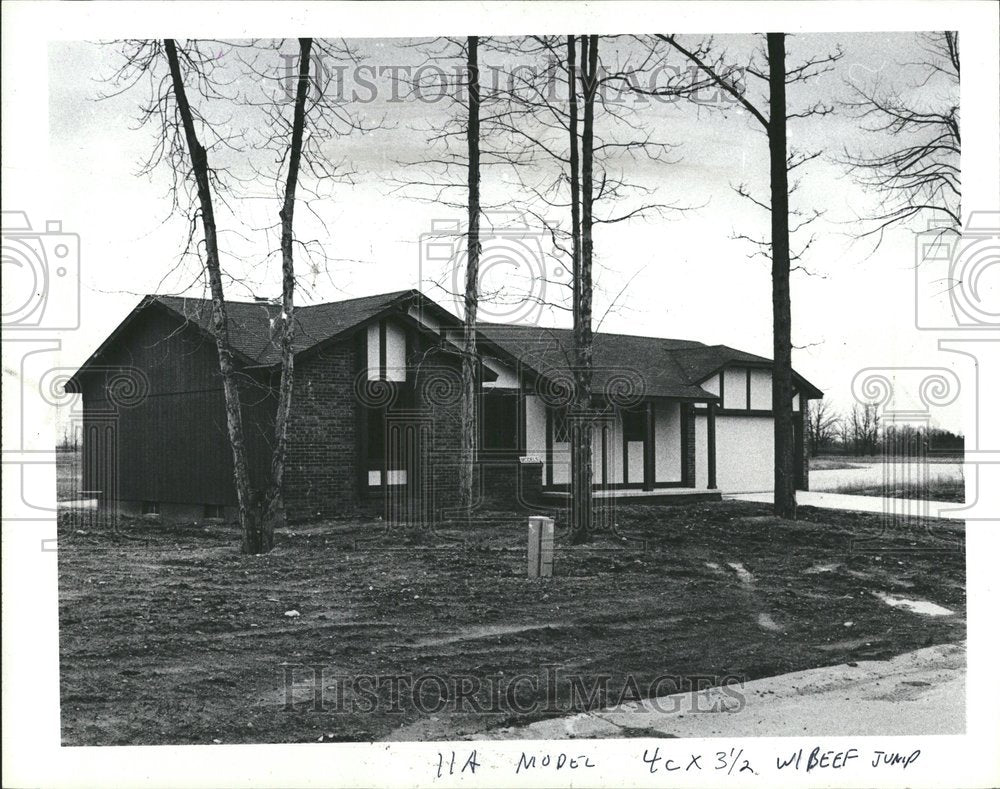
[{"x": 169, "y": 635}]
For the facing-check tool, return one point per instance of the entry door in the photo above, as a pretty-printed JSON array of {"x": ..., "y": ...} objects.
[
  {"x": 407, "y": 471},
  {"x": 634, "y": 446}
]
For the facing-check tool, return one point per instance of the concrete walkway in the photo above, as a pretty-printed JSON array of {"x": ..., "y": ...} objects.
[
  {"x": 902, "y": 508},
  {"x": 916, "y": 693}
]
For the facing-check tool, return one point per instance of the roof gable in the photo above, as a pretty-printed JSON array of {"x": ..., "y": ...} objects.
[
  {"x": 666, "y": 367},
  {"x": 659, "y": 367}
]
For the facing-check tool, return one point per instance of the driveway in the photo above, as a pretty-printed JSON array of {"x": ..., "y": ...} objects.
[
  {"x": 916, "y": 693},
  {"x": 897, "y": 508}
]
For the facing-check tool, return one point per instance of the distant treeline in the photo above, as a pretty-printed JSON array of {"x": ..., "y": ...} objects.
[{"x": 863, "y": 431}]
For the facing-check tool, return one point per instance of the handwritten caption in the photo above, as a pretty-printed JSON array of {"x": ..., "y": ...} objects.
[{"x": 718, "y": 762}]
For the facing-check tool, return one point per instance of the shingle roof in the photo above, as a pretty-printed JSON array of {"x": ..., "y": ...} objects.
[
  {"x": 666, "y": 367},
  {"x": 618, "y": 358},
  {"x": 250, "y": 322},
  {"x": 658, "y": 366}
]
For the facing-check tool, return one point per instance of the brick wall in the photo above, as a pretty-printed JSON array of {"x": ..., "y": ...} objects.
[
  {"x": 437, "y": 397},
  {"x": 321, "y": 476},
  {"x": 507, "y": 482}
]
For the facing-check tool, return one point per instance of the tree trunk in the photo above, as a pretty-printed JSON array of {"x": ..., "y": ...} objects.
[
  {"x": 781, "y": 398},
  {"x": 581, "y": 433},
  {"x": 470, "y": 433},
  {"x": 220, "y": 324},
  {"x": 272, "y": 509}
]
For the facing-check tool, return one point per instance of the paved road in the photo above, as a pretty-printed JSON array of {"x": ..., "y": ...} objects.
[
  {"x": 878, "y": 473},
  {"x": 916, "y": 693},
  {"x": 840, "y": 501}
]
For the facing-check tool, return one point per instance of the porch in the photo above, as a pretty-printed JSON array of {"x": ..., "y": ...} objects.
[{"x": 640, "y": 496}]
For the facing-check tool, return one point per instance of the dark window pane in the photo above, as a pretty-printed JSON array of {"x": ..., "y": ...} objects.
[
  {"x": 634, "y": 425},
  {"x": 560, "y": 427},
  {"x": 376, "y": 437},
  {"x": 500, "y": 417}
]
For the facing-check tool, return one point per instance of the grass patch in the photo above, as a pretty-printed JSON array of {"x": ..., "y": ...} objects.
[
  {"x": 952, "y": 490},
  {"x": 834, "y": 462}
]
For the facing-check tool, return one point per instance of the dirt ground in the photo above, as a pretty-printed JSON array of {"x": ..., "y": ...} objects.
[{"x": 169, "y": 635}]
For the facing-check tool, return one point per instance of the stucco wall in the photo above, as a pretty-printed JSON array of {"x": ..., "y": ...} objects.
[
  {"x": 534, "y": 427},
  {"x": 744, "y": 453},
  {"x": 667, "y": 429},
  {"x": 735, "y": 389},
  {"x": 395, "y": 352},
  {"x": 506, "y": 375},
  {"x": 760, "y": 390}
]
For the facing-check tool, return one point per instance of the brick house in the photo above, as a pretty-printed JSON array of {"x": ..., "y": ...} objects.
[{"x": 375, "y": 411}]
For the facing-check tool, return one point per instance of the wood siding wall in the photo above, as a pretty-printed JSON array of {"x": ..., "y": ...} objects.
[{"x": 169, "y": 437}]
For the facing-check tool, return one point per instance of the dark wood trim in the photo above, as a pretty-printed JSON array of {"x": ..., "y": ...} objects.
[
  {"x": 384, "y": 486},
  {"x": 743, "y": 412},
  {"x": 549, "y": 419},
  {"x": 624, "y": 482},
  {"x": 522, "y": 421},
  {"x": 382, "y": 343},
  {"x": 604, "y": 454},
  {"x": 711, "y": 447},
  {"x": 800, "y": 447},
  {"x": 686, "y": 414},
  {"x": 563, "y": 487},
  {"x": 649, "y": 448},
  {"x": 748, "y": 388},
  {"x": 362, "y": 419},
  {"x": 722, "y": 386}
]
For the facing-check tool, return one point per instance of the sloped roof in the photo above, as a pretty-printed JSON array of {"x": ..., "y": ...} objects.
[
  {"x": 618, "y": 358},
  {"x": 658, "y": 366},
  {"x": 250, "y": 322},
  {"x": 664, "y": 367}
]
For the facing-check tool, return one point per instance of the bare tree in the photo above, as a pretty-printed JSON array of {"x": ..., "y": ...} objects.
[
  {"x": 774, "y": 118},
  {"x": 464, "y": 90},
  {"x": 248, "y": 514},
  {"x": 470, "y": 426},
  {"x": 581, "y": 432},
  {"x": 865, "y": 428},
  {"x": 821, "y": 425},
  {"x": 177, "y": 122},
  {"x": 271, "y": 508},
  {"x": 300, "y": 149},
  {"x": 914, "y": 165},
  {"x": 568, "y": 151}
]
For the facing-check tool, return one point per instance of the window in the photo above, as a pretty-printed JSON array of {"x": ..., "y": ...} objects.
[
  {"x": 391, "y": 443},
  {"x": 151, "y": 508},
  {"x": 500, "y": 420},
  {"x": 213, "y": 511},
  {"x": 634, "y": 425},
  {"x": 560, "y": 426}
]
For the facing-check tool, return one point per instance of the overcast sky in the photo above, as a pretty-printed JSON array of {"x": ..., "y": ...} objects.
[{"x": 684, "y": 274}]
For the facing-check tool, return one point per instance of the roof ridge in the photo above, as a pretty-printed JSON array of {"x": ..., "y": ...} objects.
[
  {"x": 394, "y": 293},
  {"x": 700, "y": 345}
]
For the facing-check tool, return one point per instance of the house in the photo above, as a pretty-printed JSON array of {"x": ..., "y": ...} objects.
[{"x": 375, "y": 411}]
